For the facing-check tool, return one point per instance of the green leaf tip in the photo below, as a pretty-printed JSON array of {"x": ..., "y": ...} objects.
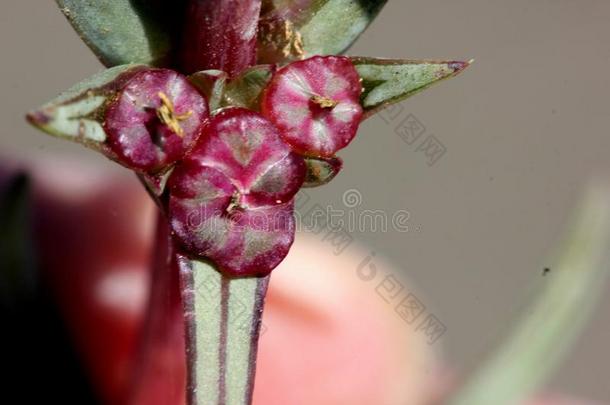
[
  {"x": 77, "y": 114},
  {"x": 121, "y": 31},
  {"x": 321, "y": 171},
  {"x": 212, "y": 84},
  {"x": 388, "y": 81},
  {"x": 246, "y": 89}
]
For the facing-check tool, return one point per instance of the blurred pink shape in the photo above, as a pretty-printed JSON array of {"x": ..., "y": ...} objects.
[{"x": 328, "y": 337}]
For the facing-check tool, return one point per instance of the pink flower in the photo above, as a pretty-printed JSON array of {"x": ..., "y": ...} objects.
[
  {"x": 315, "y": 103},
  {"x": 231, "y": 198},
  {"x": 156, "y": 117}
]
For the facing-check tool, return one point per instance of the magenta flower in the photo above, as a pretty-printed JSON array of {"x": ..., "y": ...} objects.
[
  {"x": 231, "y": 198},
  {"x": 316, "y": 104},
  {"x": 157, "y": 117}
]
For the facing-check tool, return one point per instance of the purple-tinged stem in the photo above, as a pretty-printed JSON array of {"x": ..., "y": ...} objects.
[
  {"x": 220, "y": 34},
  {"x": 223, "y": 321},
  {"x": 222, "y": 315}
]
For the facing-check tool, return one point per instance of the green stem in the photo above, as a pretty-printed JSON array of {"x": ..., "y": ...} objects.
[{"x": 223, "y": 319}]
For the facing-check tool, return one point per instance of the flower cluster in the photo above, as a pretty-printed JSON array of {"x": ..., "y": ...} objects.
[
  {"x": 234, "y": 173},
  {"x": 260, "y": 114}
]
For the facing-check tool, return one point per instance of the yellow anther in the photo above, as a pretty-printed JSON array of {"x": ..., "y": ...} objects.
[
  {"x": 234, "y": 204},
  {"x": 167, "y": 115},
  {"x": 293, "y": 41},
  {"x": 324, "y": 102}
]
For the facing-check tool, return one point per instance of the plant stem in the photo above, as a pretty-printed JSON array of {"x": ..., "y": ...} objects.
[
  {"x": 220, "y": 34},
  {"x": 223, "y": 319},
  {"x": 222, "y": 315}
]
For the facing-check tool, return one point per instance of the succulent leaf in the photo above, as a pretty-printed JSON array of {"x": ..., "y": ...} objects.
[
  {"x": 77, "y": 114},
  {"x": 122, "y": 31},
  {"x": 388, "y": 81},
  {"x": 246, "y": 89},
  {"x": 155, "y": 183},
  {"x": 212, "y": 84},
  {"x": 303, "y": 28},
  {"x": 320, "y": 171},
  {"x": 143, "y": 118}
]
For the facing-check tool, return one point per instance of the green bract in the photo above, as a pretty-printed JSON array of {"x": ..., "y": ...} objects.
[
  {"x": 141, "y": 31},
  {"x": 388, "y": 81},
  {"x": 77, "y": 114},
  {"x": 122, "y": 31}
]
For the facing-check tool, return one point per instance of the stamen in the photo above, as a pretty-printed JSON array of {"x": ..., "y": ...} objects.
[
  {"x": 167, "y": 115},
  {"x": 281, "y": 36},
  {"x": 324, "y": 102},
  {"x": 234, "y": 203},
  {"x": 294, "y": 41}
]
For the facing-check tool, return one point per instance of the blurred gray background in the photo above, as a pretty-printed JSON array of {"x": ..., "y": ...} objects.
[{"x": 522, "y": 129}]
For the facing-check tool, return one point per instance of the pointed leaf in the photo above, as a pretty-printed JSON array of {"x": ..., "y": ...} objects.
[
  {"x": 303, "y": 28},
  {"x": 212, "y": 84},
  {"x": 122, "y": 31},
  {"x": 320, "y": 171},
  {"x": 387, "y": 81},
  {"x": 547, "y": 330},
  {"x": 246, "y": 89},
  {"x": 155, "y": 184},
  {"x": 77, "y": 113}
]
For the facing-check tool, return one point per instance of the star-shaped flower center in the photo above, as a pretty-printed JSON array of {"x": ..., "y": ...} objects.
[
  {"x": 231, "y": 199},
  {"x": 315, "y": 104}
]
